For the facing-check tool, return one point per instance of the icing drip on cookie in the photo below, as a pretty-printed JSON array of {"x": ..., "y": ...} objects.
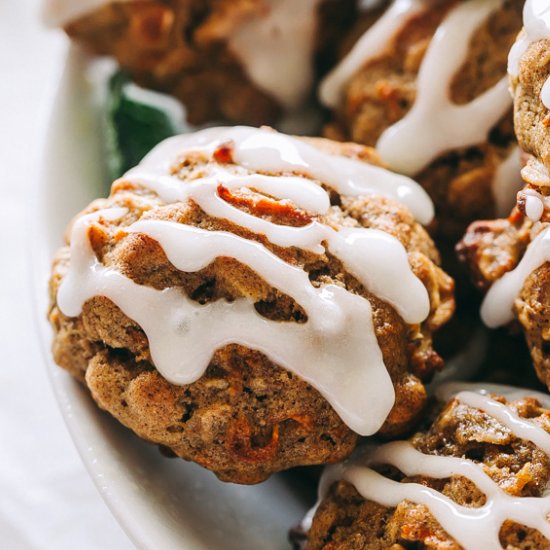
[
  {"x": 335, "y": 349},
  {"x": 497, "y": 307},
  {"x": 434, "y": 124},
  {"x": 265, "y": 151},
  {"x": 545, "y": 93},
  {"x": 275, "y": 46},
  {"x": 536, "y": 26},
  {"x": 372, "y": 44},
  {"x": 448, "y": 390},
  {"x": 276, "y": 49},
  {"x": 472, "y": 528},
  {"x": 535, "y": 204}
]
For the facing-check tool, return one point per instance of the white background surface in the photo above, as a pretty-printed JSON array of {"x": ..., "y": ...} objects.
[{"x": 46, "y": 498}]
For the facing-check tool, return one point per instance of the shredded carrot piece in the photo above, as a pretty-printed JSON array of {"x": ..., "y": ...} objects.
[
  {"x": 224, "y": 153},
  {"x": 515, "y": 216},
  {"x": 263, "y": 206}
]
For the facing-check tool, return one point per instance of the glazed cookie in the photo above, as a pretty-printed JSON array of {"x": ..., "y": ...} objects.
[
  {"x": 253, "y": 301},
  {"x": 509, "y": 259},
  {"x": 243, "y": 61},
  {"x": 476, "y": 478},
  {"x": 425, "y": 83}
]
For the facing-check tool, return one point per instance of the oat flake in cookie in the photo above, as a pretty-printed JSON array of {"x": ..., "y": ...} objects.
[{"x": 253, "y": 301}]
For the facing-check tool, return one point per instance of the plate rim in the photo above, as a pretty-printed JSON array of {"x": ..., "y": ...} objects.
[{"x": 75, "y": 404}]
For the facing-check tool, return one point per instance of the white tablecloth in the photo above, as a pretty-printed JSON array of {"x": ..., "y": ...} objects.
[{"x": 47, "y": 500}]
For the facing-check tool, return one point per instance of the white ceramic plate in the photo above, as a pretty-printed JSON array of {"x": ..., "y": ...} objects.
[{"x": 161, "y": 503}]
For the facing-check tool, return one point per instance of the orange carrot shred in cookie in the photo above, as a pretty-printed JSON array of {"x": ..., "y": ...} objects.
[
  {"x": 263, "y": 206},
  {"x": 224, "y": 153}
]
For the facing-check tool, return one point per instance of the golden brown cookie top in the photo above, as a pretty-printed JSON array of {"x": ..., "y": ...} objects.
[{"x": 303, "y": 225}]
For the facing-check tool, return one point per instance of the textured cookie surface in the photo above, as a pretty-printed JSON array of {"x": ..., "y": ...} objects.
[
  {"x": 345, "y": 520},
  {"x": 493, "y": 250},
  {"x": 384, "y": 90},
  {"x": 246, "y": 417}
]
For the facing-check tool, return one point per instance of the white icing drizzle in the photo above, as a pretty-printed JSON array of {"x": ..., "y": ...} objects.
[
  {"x": 276, "y": 49},
  {"x": 371, "y": 255},
  {"x": 497, "y": 307},
  {"x": 372, "y": 44},
  {"x": 507, "y": 182},
  {"x": 520, "y": 427},
  {"x": 204, "y": 193},
  {"x": 545, "y": 93},
  {"x": 268, "y": 151},
  {"x": 58, "y": 13},
  {"x": 535, "y": 203},
  {"x": 536, "y": 26},
  {"x": 183, "y": 335},
  {"x": 534, "y": 207},
  {"x": 435, "y": 124},
  {"x": 473, "y": 528},
  {"x": 335, "y": 350},
  {"x": 449, "y": 389}
]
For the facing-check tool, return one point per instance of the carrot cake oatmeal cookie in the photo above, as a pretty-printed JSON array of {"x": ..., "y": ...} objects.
[
  {"x": 245, "y": 61},
  {"x": 253, "y": 301},
  {"x": 425, "y": 83},
  {"x": 510, "y": 258},
  {"x": 476, "y": 478}
]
